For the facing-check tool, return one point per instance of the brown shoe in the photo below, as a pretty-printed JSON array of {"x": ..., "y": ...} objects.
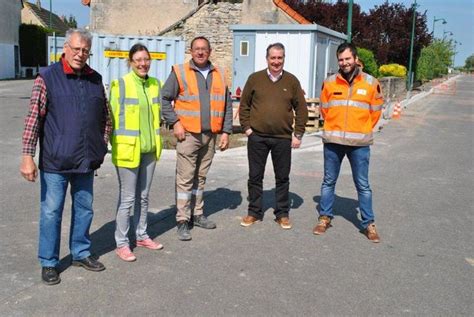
[
  {"x": 371, "y": 233},
  {"x": 248, "y": 221},
  {"x": 324, "y": 222},
  {"x": 284, "y": 222}
]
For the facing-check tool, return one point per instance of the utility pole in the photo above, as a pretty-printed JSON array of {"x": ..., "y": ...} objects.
[
  {"x": 349, "y": 21},
  {"x": 50, "y": 15},
  {"x": 436, "y": 20},
  {"x": 410, "y": 79}
]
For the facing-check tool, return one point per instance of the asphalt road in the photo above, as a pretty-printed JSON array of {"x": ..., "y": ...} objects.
[{"x": 422, "y": 179}]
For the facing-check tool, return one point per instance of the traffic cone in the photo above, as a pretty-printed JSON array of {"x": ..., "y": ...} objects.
[{"x": 397, "y": 111}]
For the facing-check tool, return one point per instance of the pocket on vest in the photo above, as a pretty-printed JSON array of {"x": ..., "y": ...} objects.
[
  {"x": 68, "y": 151},
  {"x": 125, "y": 148}
]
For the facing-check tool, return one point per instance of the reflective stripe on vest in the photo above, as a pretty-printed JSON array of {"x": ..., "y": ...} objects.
[
  {"x": 348, "y": 138},
  {"x": 187, "y": 104},
  {"x": 125, "y": 101},
  {"x": 343, "y": 102},
  {"x": 130, "y": 101},
  {"x": 350, "y": 135}
]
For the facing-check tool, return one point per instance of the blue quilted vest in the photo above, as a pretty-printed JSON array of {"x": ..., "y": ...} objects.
[{"x": 72, "y": 138}]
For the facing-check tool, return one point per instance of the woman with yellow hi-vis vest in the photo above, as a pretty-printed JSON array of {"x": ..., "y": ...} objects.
[{"x": 136, "y": 147}]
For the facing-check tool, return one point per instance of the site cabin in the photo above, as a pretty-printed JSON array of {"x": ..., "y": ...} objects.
[{"x": 310, "y": 54}]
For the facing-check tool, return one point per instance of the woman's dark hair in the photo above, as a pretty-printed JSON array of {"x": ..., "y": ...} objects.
[{"x": 137, "y": 48}]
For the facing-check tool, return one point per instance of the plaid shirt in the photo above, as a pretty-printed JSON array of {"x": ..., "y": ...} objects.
[{"x": 39, "y": 107}]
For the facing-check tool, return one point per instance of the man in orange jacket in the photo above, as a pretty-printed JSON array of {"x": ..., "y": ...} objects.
[
  {"x": 351, "y": 104},
  {"x": 196, "y": 101}
]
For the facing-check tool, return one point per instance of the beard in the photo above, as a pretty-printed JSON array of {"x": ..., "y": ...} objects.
[{"x": 349, "y": 70}]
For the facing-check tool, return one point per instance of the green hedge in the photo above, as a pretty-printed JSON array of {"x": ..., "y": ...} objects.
[
  {"x": 395, "y": 70},
  {"x": 434, "y": 60},
  {"x": 33, "y": 45},
  {"x": 368, "y": 60}
]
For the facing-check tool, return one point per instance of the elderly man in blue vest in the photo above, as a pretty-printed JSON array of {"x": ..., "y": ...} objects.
[{"x": 69, "y": 115}]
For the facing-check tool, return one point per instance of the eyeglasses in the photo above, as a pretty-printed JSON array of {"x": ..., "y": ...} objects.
[
  {"x": 77, "y": 50},
  {"x": 144, "y": 60},
  {"x": 200, "y": 49}
]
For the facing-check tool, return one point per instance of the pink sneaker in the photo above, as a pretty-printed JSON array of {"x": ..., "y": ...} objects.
[
  {"x": 125, "y": 254},
  {"x": 149, "y": 244}
]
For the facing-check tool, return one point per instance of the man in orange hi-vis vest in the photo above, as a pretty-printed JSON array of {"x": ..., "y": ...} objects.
[
  {"x": 196, "y": 102},
  {"x": 351, "y": 105}
]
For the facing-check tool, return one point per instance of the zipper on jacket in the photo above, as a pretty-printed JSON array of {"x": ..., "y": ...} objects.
[
  {"x": 148, "y": 108},
  {"x": 349, "y": 95}
]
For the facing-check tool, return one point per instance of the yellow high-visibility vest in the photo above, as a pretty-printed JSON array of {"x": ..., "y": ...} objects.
[{"x": 126, "y": 121}]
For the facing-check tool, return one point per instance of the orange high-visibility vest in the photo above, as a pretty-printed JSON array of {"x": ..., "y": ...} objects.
[
  {"x": 187, "y": 105},
  {"x": 350, "y": 112}
]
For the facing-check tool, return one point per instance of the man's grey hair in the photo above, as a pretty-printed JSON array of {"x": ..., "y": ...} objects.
[
  {"x": 83, "y": 34},
  {"x": 277, "y": 46}
]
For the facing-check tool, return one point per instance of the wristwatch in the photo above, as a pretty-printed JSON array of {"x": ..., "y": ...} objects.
[{"x": 298, "y": 136}]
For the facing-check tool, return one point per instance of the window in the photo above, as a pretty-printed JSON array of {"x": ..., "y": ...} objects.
[{"x": 244, "y": 48}]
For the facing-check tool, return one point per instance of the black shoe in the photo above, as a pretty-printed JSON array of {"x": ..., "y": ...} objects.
[
  {"x": 183, "y": 231},
  {"x": 50, "y": 275},
  {"x": 90, "y": 264},
  {"x": 203, "y": 222}
]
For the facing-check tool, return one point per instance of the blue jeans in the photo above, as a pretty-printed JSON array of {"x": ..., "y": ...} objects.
[
  {"x": 359, "y": 157},
  {"x": 53, "y": 193}
]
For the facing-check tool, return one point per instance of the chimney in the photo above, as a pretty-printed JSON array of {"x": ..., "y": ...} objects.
[{"x": 38, "y": 3}]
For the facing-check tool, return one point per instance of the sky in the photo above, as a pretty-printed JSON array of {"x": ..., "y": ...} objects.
[{"x": 459, "y": 15}]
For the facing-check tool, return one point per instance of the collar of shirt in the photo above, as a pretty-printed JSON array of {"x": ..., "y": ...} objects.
[
  {"x": 209, "y": 64},
  {"x": 274, "y": 78},
  {"x": 351, "y": 76},
  {"x": 69, "y": 71}
]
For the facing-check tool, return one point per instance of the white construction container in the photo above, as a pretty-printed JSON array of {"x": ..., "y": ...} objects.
[{"x": 310, "y": 52}]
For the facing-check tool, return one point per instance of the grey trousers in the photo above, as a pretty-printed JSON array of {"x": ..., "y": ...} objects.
[
  {"x": 193, "y": 159},
  {"x": 134, "y": 184}
]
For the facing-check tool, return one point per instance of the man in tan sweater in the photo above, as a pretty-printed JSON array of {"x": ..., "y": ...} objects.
[{"x": 271, "y": 101}]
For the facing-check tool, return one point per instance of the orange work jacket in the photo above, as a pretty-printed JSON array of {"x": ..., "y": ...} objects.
[
  {"x": 350, "y": 112},
  {"x": 187, "y": 105}
]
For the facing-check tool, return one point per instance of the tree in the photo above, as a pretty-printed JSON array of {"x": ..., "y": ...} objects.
[
  {"x": 333, "y": 16},
  {"x": 71, "y": 22},
  {"x": 434, "y": 60},
  {"x": 385, "y": 30},
  {"x": 368, "y": 60},
  {"x": 387, "y": 33},
  {"x": 33, "y": 39},
  {"x": 469, "y": 64}
]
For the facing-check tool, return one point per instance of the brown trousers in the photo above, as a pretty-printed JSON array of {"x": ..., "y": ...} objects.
[{"x": 193, "y": 159}]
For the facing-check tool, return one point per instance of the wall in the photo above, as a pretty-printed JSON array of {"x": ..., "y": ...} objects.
[
  {"x": 263, "y": 12},
  {"x": 138, "y": 17},
  {"x": 212, "y": 21},
  {"x": 10, "y": 19},
  {"x": 28, "y": 17},
  {"x": 393, "y": 88},
  {"x": 154, "y": 17}
]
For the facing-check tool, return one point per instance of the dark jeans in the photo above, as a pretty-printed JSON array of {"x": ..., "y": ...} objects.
[{"x": 258, "y": 148}]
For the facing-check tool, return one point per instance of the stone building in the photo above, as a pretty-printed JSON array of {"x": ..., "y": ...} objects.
[{"x": 188, "y": 19}]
